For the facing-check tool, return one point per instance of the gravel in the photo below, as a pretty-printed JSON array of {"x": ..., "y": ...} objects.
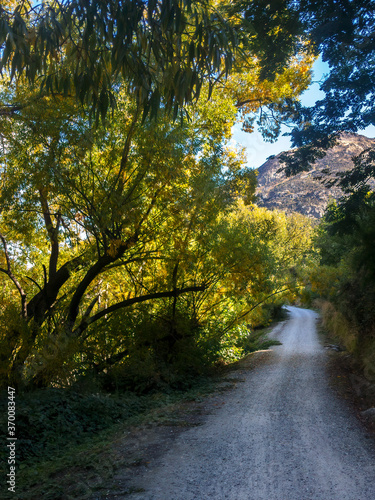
[{"x": 282, "y": 434}]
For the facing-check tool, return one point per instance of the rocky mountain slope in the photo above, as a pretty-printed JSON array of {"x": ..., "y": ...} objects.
[{"x": 305, "y": 193}]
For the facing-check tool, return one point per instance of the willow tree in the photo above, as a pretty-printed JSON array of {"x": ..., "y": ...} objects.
[
  {"x": 163, "y": 50},
  {"x": 83, "y": 199}
]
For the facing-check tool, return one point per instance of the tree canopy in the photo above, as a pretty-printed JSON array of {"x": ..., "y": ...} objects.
[
  {"x": 135, "y": 234},
  {"x": 343, "y": 32},
  {"x": 164, "y": 50},
  {"x": 96, "y": 240}
]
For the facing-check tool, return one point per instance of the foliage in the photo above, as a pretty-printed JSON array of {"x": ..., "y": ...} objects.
[
  {"x": 99, "y": 205},
  {"x": 339, "y": 326},
  {"x": 136, "y": 215},
  {"x": 46, "y": 421},
  {"x": 150, "y": 343},
  {"x": 342, "y": 33},
  {"x": 130, "y": 245},
  {"x": 346, "y": 239}
]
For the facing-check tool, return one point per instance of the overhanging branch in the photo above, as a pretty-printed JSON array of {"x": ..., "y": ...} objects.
[
  {"x": 135, "y": 300},
  {"x": 251, "y": 309}
]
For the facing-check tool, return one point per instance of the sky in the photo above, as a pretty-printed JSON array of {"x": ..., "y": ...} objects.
[{"x": 258, "y": 150}]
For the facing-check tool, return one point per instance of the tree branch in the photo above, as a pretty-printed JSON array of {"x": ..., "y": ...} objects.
[
  {"x": 135, "y": 300},
  {"x": 35, "y": 283},
  {"x": 92, "y": 273},
  {"x": 251, "y": 309},
  {"x": 239, "y": 104},
  {"x": 42, "y": 301},
  {"x": 125, "y": 154},
  {"x": 10, "y": 110},
  {"x": 9, "y": 273},
  {"x": 52, "y": 234}
]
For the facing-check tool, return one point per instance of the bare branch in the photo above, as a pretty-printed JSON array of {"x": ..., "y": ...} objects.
[
  {"x": 239, "y": 104},
  {"x": 35, "y": 283},
  {"x": 9, "y": 273},
  {"x": 10, "y": 110},
  {"x": 91, "y": 307}
]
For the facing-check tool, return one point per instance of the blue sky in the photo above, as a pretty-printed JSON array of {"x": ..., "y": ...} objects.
[{"x": 258, "y": 150}]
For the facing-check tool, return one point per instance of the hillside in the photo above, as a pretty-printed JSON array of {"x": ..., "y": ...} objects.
[{"x": 305, "y": 193}]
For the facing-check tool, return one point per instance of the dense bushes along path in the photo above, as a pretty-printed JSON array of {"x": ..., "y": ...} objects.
[{"x": 282, "y": 434}]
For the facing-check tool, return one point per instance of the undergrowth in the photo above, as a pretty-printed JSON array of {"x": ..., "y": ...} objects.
[
  {"x": 66, "y": 434},
  {"x": 62, "y": 432}
]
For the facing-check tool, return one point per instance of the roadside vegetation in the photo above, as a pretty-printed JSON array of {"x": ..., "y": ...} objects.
[{"x": 344, "y": 281}]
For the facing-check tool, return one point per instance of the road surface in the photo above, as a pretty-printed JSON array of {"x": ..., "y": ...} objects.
[{"x": 283, "y": 434}]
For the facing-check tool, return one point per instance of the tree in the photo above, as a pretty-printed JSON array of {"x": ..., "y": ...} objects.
[
  {"x": 122, "y": 214},
  {"x": 343, "y": 33},
  {"x": 96, "y": 221},
  {"x": 163, "y": 50},
  {"x": 345, "y": 274}
]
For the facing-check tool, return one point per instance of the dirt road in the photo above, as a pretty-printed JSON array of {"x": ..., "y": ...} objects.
[{"x": 281, "y": 435}]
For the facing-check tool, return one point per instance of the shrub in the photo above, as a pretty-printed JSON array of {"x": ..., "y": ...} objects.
[{"x": 336, "y": 323}]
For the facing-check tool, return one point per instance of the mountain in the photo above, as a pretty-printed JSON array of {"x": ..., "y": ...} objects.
[{"x": 305, "y": 193}]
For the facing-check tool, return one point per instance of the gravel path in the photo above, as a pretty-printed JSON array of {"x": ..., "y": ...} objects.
[{"x": 282, "y": 435}]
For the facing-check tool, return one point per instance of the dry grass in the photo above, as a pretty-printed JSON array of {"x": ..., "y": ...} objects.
[
  {"x": 338, "y": 326},
  {"x": 361, "y": 347}
]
